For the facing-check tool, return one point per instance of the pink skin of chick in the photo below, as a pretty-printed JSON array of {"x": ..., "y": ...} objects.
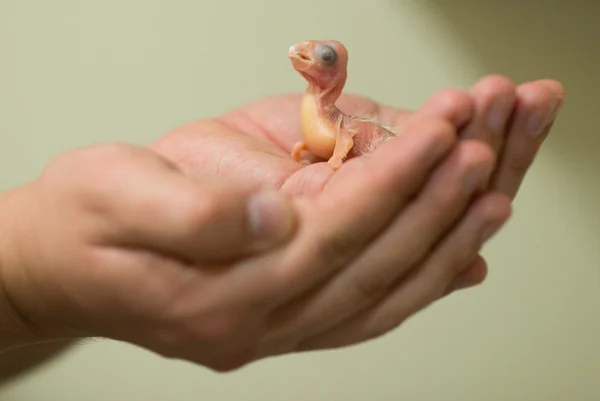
[{"x": 327, "y": 132}]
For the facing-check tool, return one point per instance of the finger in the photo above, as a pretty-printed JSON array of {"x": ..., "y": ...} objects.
[
  {"x": 472, "y": 276},
  {"x": 372, "y": 190},
  {"x": 206, "y": 221},
  {"x": 451, "y": 104},
  {"x": 494, "y": 97},
  {"x": 358, "y": 201},
  {"x": 537, "y": 106},
  {"x": 396, "y": 251},
  {"x": 427, "y": 283}
]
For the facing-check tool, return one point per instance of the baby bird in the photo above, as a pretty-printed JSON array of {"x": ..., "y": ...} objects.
[{"x": 327, "y": 132}]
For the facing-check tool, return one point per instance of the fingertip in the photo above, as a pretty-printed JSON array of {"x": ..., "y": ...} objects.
[
  {"x": 494, "y": 84},
  {"x": 476, "y": 154},
  {"x": 540, "y": 91},
  {"x": 453, "y": 104},
  {"x": 559, "y": 92},
  {"x": 441, "y": 132},
  {"x": 478, "y": 271},
  {"x": 495, "y": 96},
  {"x": 472, "y": 276},
  {"x": 271, "y": 218},
  {"x": 432, "y": 137},
  {"x": 556, "y": 86}
]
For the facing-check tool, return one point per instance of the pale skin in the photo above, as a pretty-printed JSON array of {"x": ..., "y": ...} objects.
[
  {"x": 315, "y": 300},
  {"x": 328, "y": 132}
]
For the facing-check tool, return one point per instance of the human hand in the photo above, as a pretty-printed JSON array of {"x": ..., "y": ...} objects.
[
  {"x": 514, "y": 121},
  {"x": 254, "y": 142},
  {"x": 116, "y": 242},
  {"x": 110, "y": 233}
]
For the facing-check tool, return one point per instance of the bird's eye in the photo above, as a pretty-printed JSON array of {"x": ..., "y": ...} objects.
[{"x": 327, "y": 55}]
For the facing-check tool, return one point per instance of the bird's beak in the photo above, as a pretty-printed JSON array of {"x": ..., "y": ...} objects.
[{"x": 299, "y": 55}]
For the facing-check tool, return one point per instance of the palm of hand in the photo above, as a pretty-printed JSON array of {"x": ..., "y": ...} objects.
[{"x": 253, "y": 143}]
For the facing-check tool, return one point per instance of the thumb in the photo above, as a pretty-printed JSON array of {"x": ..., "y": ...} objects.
[
  {"x": 206, "y": 220},
  {"x": 237, "y": 224},
  {"x": 211, "y": 222}
]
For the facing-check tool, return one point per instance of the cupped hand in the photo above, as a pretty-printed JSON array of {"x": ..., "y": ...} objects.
[
  {"x": 254, "y": 142},
  {"x": 115, "y": 241}
]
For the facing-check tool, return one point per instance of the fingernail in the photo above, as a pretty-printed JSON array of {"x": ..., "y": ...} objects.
[
  {"x": 499, "y": 114},
  {"x": 271, "y": 217},
  {"x": 540, "y": 118}
]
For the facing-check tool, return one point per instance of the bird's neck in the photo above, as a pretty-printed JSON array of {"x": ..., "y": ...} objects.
[
  {"x": 324, "y": 98},
  {"x": 322, "y": 102}
]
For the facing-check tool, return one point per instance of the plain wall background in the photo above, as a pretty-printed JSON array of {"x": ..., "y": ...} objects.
[{"x": 76, "y": 72}]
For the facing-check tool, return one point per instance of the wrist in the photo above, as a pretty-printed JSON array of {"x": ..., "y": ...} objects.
[{"x": 14, "y": 331}]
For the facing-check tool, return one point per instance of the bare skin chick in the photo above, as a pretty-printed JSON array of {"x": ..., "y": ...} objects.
[{"x": 327, "y": 132}]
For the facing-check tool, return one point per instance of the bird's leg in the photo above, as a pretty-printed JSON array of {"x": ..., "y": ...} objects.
[
  {"x": 343, "y": 144},
  {"x": 297, "y": 150}
]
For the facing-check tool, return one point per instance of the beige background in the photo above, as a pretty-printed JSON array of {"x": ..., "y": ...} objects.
[{"x": 75, "y": 72}]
